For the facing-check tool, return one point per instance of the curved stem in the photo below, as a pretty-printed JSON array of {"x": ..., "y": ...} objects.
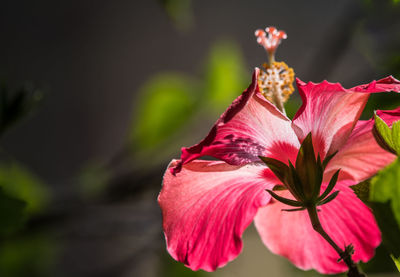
[{"x": 345, "y": 255}]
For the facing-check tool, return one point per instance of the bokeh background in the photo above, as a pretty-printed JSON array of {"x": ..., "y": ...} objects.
[{"x": 98, "y": 96}]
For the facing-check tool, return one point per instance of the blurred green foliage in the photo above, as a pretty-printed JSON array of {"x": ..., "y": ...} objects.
[
  {"x": 397, "y": 262},
  {"x": 18, "y": 182},
  {"x": 171, "y": 268},
  {"x": 385, "y": 187},
  {"x": 93, "y": 180},
  {"x": 380, "y": 101},
  {"x": 32, "y": 255},
  {"x": 225, "y": 75},
  {"x": 179, "y": 11},
  {"x": 385, "y": 198},
  {"x": 393, "y": 63},
  {"x": 22, "y": 197},
  {"x": 166, "y": 102},
  {"x": 12, "y": 214},
  {"x": 292, "y": 106}
]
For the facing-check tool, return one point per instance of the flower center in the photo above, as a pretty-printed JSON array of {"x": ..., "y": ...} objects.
[{"x": 275, "y": 81}]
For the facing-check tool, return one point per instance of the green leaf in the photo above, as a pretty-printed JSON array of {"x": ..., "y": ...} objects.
[
  {"x": 166, "y": 103},
  {"x": 225, "y": 75},
  {"x": 396, "y": 262},
  {"x": 385, "y": 187},
  {"x": 385, "y": 201},
  {"x": 390, "y": 229},
  {"x": 18, "y": 182},
  {"x": 387, "y": 138},
  {"x": 362, "y": 190},
  {"x": 12, "y": 214},
  {"x": 383, "y": 129},
  {"x": 396, "y": 136}
]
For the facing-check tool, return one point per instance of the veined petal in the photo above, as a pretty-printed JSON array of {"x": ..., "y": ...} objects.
[
  {"x": 330, "y": 111},
  {"x": 249, "y": 128},
  {"x": 206, "y": 208},
  {"x": 346, "y": 220},
  {"x": 361, "y": 157}
]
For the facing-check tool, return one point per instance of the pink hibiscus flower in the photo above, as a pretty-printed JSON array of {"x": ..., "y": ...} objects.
[{"x": 207, "y": 205}]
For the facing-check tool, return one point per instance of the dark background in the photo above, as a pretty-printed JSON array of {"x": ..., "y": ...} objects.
[{"x": 90, "y": 158}]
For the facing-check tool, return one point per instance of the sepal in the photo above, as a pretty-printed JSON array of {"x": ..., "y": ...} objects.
[
  {"x": 284, "y": 200},
  {"x": 328, "y": 199},
  {"x": 280, "y": 169},
  {"x": 327, "y": 159},
  {"x": 305, "y": 179},
  {"x": 330, "y": 186}
]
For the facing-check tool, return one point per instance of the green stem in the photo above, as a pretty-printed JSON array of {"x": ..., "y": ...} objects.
[{"x": 344, "y": 255}]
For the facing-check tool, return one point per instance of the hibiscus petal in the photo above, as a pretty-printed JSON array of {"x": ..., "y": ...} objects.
[
  {"x": 330, "y": 111},
  {"x": 346, "y": 220},
  {"x": 249, "y": 128},
  {"x": 361, "y": 157},
  {"x": 207, "y": 207}
]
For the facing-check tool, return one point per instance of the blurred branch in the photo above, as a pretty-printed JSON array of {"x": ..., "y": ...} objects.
[
  {"x": 180, "y": 12},
  {"x": 15, "y": 106}
]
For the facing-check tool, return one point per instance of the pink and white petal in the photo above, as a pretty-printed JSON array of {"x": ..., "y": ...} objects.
[
  {"x": 388, "y": 83},
  {"x": 250, "y": 127},
  {"x": 361, "y": 157},
  {"x": 330, "y": 111},
  {"x": 207, "y": 207},
  {"x": 346, "y": 220}
]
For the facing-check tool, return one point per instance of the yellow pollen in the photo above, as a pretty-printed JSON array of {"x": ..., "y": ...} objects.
[{"x": 276, "y": 82}]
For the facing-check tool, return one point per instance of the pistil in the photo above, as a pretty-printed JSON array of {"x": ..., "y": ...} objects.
[{"x": 275, "y": 81}]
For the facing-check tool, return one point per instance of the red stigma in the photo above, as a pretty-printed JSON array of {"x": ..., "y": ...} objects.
[{"x": 270, "y": 39}]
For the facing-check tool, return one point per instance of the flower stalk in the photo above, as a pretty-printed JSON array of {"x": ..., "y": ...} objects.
[
  {"x": 345, "y": 254},
  {"x": 304, "y": 182}
]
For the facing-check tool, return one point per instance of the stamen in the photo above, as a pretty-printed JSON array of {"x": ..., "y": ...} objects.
[{"x": 275, "y": 83}]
